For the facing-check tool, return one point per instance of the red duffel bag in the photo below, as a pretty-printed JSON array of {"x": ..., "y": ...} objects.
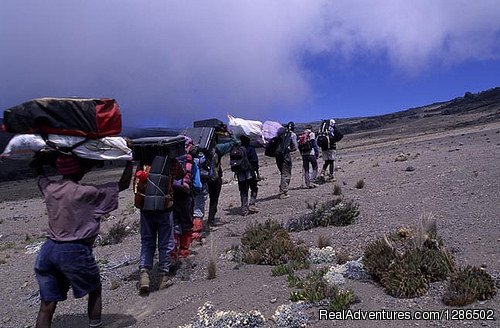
[{"x": 91, "y": 118}]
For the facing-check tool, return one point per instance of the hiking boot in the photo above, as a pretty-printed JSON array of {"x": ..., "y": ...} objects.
[
  {"x": 284, "y": 195},
  {"x": 164, "y": 281},
  {"x": 253, "y": 209},
  {"x": 144, "y": 281}
]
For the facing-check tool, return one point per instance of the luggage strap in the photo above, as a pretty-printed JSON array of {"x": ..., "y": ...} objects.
[{"x": 62, "y": 150}]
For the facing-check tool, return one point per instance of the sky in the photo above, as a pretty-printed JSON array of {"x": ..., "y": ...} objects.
[{"x": 168, "y": 63}]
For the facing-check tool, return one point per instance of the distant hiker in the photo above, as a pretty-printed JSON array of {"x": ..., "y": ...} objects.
[
  {"x": 245, "y": 163},
  {"x": 280, "y": 147},
  {"x": 74, "y": 211},
  {"x": 215, "y": 184},
  {"x": 327, "y": 139},
  {"x": 310, "y": 152},
  {"x": 156, "y": 226},
  {"x": 199, "y": 199},
  {"x": 184, "y": 191}
]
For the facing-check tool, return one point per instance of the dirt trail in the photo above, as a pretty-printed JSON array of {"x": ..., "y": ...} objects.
[{"x": 455, "y": 177}]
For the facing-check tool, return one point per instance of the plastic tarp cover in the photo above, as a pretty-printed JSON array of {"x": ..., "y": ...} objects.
[
  {"x": 23, "y": 147},
  {"x": 251, "y": 129}
]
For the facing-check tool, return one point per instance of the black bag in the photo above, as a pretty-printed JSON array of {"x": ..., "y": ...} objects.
[
  {"x": 337, "y": 135},
  {"x": 203, "y": 137},
  {"x": 158, "y": 184},
  {"x": 92, "y": 118},
  {"x": 208, "y": 170},
  {"x": 146, "y": 149},
  {"x": 322, "y": 140},
  {"x": 278, "y": 146},
  {"x": 238, "y": 159}
]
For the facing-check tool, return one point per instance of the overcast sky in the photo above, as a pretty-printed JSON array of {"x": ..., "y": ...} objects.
[{"x": 171, "y": 62}]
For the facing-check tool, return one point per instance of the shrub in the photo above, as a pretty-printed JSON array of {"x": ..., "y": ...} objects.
[
  {"x": 404, "y": 279},
  {"x": 269, "y": 243},
  {"x": 406, "y": 262},
  {"x": 378, "y": 256},
  {"x": 314, "y": 289},
  {"x": 289, "y": 268},
  {"x": 467, "y": 285},
  {"x": 360, "y": 184},
  {"x": 336, "y": 212}
]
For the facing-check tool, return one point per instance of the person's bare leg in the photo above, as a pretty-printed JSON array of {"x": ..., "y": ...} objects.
[
  {"x": 95, "y": 308},
  {"x": 45, "y": 314}
]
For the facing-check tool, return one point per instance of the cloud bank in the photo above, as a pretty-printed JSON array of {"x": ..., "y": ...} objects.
[{"x": 170, "y": 62}]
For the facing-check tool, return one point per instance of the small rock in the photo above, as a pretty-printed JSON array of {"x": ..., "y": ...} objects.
[
  {"x": 273, "y": 300},
  {"x": 410, "y": 169}
]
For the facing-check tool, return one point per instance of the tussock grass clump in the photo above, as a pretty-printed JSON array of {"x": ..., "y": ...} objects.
[
  {"x": 378, "y": 256},
  {"x": 337, "y": 190},
  {"x": 336, "y": 212},
  {"x": 212, "y": 262},
  {"x": 117, "y": 233},
  {"x": 314, "y": 289},
  {"x": 405, "y": 262},
  {"x": 468, "y": 285},
  {"x": 404, "y": 279},
  {"x": 270, "y": 244},
  {"x": 360, "y": 184},
  {"x": 342, "y": 257},
  {"x": 323, "y": 241}
]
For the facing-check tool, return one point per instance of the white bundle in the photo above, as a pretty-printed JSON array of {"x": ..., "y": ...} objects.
[
  {"x": 251, "y": 129},
  {"x": 23, "y": 146}
]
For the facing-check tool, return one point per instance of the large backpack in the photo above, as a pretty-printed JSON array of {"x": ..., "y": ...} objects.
[
  {"x": 238, "y": 159},
  {"x": 305, "y": 144},
  {"x": 153, "y": 193},
  {"x": 278, "y": 145},
  {"x": 326, "y": 139}
]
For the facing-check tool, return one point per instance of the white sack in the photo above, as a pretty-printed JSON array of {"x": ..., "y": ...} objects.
[
  {"x": 23, "y": 146},
  {"x": 249, "y": 128},
  {"x": 270, "y": 129}
]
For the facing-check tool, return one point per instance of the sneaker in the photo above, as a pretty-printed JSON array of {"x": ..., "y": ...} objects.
[
  {"x": 284, "y": 196},
  {"x": 253, "y": 209},
  {"x": 144, "y": 281},
  {"x": 312, "y": 185},
  {"x": 164, "y": 281}
]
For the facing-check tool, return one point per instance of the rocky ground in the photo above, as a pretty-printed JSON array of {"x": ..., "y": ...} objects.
[{"x": 450, "y": 172}]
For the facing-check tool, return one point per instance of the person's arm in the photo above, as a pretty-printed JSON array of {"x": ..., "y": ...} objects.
[
  {"x": 315, "y": 147},
  {"x": 225, "y": 148},
  {"x": 126, "y": 177},
  {"x": 293, "y": 144},
  {"x": 253, "y": 159}
]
